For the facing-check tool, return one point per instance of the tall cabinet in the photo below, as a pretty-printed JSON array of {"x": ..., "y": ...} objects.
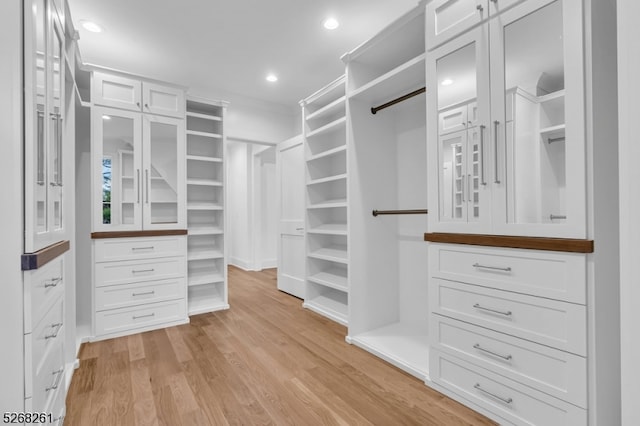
[
  {"x": 138, "y": 204},
  {"x": 327, "y": 264},
  {"x": 206, "y": 206}
]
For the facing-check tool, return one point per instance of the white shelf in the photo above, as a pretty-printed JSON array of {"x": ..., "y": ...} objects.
[
  {"x": 203, "y": 116},
  {"x": 197, "y": 307},
  {"x": 328, "y": 153},
  {"x": 405, "y": 345},
  {"x": 204, "y": 159},
  {"x": 552, "y": 130},
  {"x": 332, "y": 253},
  {"x": 204, "y": 134},
  {"x": 331, "y": 278},
  {"x": 205, "y": 230},
  {"x": 342, "y": 176},
  {"x": 329, "y": 109},
  {"x": 328, "y": 128},
  {"x": 329, "y": 204},
  {"x": 557, "y": 95},
  {"x": 399, "y": 81},
  {"x": 205, "y": 255},
  {"x": 204, "y": 182},
  {"x": 204, "y": 206},
  {"x": 198, "y": 279},
  {"x": 329, "y": 229},
  {"x": 330, "y": 307}
]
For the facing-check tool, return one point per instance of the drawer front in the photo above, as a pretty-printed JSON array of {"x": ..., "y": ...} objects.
[
  {"x": 43, "y": 287},
  {"x": 553, "y": 323},
  {"x": 552, "y": 371},
  {"x": 114, "y": 273},
  {"x": 58, "y": 408},
  {"x": 48, "y": 379},
  {"x": 120, "y": 296},
  {"x": 554, "y": 275},
  {"x": 126, "y": 319},
  {"x": 47, "y": 334},
  {"x": 510, "y": 400},
  {"x": 107, "y": 250}
]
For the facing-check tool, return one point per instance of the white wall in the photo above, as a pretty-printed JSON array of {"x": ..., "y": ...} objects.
[
  {"x": 267, "y": 210},
  {"x": 11, "y": 354},
  {"x": 629, "y": 153},
  {"x": 238, "y": 157}
]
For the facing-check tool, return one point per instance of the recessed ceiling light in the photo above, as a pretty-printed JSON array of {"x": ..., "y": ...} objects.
[
  {"x": 91, "y": 26},
  {"x": 331, "y": 23},
  {"x": 106, "y": 117},
  {"x": 447, "y": 82},
  {"x": 272, "y": 78}
]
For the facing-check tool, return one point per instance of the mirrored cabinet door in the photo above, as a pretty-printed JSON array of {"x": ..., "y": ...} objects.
[
  {"x": 460, "y": 103},
  {"x": 55, "y": 119},
  {"x": 537, "y": 108},
  {"x": 118, "y": 192},
  {"x": 39, "y": 22},
  {"x": 164, "y": 183}
]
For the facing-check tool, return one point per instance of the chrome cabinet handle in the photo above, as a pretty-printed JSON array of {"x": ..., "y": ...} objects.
[
  {"x": 146, "y": 293},
  {"x": 469, "y": 189},
  {"x": 480, "y": 8},
  {"x": 557, "y": 216},
  {"x": 481, "y": 154},
  {"x": 53, "y": 335},
  {"x": 480, "y": 348},
  {"x": 299, "y": 229},
  {"x": 463, "y": 184},
  {"x": 495, "y": 311},
  {"x": 144, "y": 316},
  {"x": 56, "y": 382},
  {"x": 146, "y": 173},
  {"x": 53, "y": 283},
  {"x": 138, "y": 104},
  {"x": 146, "y": 106},
  {"x": 495, "y": 268},
  {"x": 495, "y": 151},
  {"x": 138, "y": 179},
  {"x": 137, "y": 271},
  {"x": 142, "y": 248},
  {"x": 493, "y": 395}
]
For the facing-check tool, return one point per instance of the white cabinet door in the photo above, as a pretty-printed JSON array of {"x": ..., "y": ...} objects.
[
  {"x": 291, "y": 250},
  {"x": 446, "y": 19},
  {"x": 115, "y": 91},
  {"x": 163, "y": 100}
]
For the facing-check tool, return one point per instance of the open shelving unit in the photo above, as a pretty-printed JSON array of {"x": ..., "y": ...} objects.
[
  {"x": 327, "y": 256},
  {"x": 206, "y": 250}
]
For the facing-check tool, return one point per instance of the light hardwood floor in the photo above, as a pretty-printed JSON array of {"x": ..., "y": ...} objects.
[{"x": 264, "y": 361}]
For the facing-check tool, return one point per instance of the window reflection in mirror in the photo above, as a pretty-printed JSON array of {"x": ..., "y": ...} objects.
[
  {"x": 164, "y": 173},
  {"x": 118, "y": 180},
  {"x": 535, "y": 121}
]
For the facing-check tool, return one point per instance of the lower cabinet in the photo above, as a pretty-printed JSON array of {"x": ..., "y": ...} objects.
[
  {"x": 139, "y": 284},
  {"x": 499, "y": 343}
]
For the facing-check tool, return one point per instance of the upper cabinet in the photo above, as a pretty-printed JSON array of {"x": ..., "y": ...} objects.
[
  {"x": 135, "y": 95},
  {"x": 506, "y": 121},
  {"x": 44, "y": 80}
]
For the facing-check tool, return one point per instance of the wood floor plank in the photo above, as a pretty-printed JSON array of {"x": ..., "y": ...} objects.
[{"x": 265, "y": 361}]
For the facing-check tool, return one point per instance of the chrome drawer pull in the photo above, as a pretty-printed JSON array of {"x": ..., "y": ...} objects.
[
  {"x": 56, "y": 382},
  {"x": 495, "y": 311},
  {"x": 59, "y": 420},
  {"x": 557, "y": 216},
  {"x": 144, "y": 316},
  {"x": 53, "y": 335},
  {"x": 142, "y": 248},
  {"x": 495, "y": 268},
  {"x": 146, "y": 293},
  {"x": 480, "y": 348},
  {"x": 53, "y": 283},
  {"x": 137, "y": 271},
  {"x": 499, "y": 398}
]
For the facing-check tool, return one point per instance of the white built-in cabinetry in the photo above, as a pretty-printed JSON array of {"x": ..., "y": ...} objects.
[
  {"x": 138, "y": 203},
  {"x": 327, "y": 260},
  {"x": 387, "y": 172},
  {"x": 206, "y": 171}
]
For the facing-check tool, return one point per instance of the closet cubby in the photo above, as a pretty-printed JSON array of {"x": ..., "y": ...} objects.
[
  {"x": 206, "y": 252},
  {"x": 326, "y": 175},
  {"x": 387, "y": 171}
]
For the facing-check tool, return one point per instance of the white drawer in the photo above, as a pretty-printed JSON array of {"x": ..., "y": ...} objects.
[
  {"x": 111, "y": 249},
  {"x": 514, "y": 402},
  {"x": 552, "y": 371},
  {"x": 42, "y": 287},
  {"x": 120, "y": 296},
  {"x": 554, "y": 275},
  {"x": 114, "y": 273},
  {"x": 126, "y": 319},
  {"x": 48, "y": 379},
  {"x": 47, "y": 334},
  {"x": 58, "y": 407},
  {"x": 553, "y": 323}
]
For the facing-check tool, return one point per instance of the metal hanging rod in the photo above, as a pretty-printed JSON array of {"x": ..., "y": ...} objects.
[
  {"x": 398, "y": 100},
  {"x": 552, "y": 140},
  {"x": 379, "y": 212}
]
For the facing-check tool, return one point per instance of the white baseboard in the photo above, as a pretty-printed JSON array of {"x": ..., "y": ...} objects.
[
  {"x": 240, "y": 263},
  {"x": 269, "y": 263}
]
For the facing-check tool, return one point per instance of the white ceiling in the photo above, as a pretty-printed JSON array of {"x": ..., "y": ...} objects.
[{"x": 230, "y": 46}]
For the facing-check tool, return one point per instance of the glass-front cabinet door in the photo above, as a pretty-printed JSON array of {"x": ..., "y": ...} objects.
[
  {"x": 458, "y": 115},
  {"x": 538, "y": 118},
  {"x": 117, "y": 170},
  {"x": 164, "y": 171},
  {"x": 55, "y": 73}
]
